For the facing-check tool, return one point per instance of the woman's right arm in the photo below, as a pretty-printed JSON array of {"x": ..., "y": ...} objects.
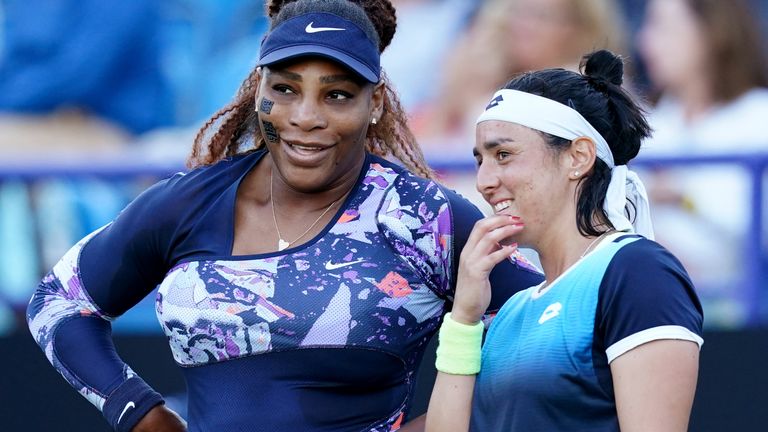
[
  {"x": 97, "y": 280},
  {"x": 451, "y": 403}
]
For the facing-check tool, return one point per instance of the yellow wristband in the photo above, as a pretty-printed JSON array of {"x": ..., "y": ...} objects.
[{"x": 458, "y": 352}]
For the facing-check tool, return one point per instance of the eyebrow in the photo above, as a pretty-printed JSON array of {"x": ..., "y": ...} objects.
[
  {"x": 331, "y": 79},
  {"x": 490, "y": 145},
  {"x": 327, "y": 79},
  {"x": 287, "y": 75}
]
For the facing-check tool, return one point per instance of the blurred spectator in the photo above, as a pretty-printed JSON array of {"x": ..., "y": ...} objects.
[
  {"x": 94, "y": 75},
  {"x": 706, "y": 60},
  {"x": 426, "y": 32},
  {"x": 97, "y": 61},
  {"x": 505, "y": 38}
]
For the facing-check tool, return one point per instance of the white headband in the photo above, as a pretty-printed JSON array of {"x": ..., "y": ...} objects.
[{"x": 554, "y": 118}]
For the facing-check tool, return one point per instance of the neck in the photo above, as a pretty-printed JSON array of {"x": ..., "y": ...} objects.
[
  {"x": 563, "y": 249},
  {"x": 291, "y": 200}
]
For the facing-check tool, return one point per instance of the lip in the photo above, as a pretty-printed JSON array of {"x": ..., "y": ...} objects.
[{"x": 305, "y": 153}]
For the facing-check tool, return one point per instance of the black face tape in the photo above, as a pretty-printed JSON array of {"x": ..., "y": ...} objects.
[
  {"x": 270, "y": 132},
  {"x": 266, "y": 105}
]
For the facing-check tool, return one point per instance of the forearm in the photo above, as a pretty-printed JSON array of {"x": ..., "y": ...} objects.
[
  {"x": 75, "y": 336},
  {"x": 458, "y": 362},
  {"x": 461, "y": 333},
  {"x": 451, "y": 403}
]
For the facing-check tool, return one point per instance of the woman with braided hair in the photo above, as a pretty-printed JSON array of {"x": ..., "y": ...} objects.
[
  {"x": 233, "y": 125},
  {"x": 300, "y": 273}
]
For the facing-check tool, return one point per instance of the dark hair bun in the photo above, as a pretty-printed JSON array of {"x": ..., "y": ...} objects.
[{"x": 603, "y": 65}]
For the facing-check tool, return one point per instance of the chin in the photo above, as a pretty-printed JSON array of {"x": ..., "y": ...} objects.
[{"x": 308, "y": 180}]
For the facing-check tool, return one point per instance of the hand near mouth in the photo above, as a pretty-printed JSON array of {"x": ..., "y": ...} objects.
[{"x": 484, "y": 249}]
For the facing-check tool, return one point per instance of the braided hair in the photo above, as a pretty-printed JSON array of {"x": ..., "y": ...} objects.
[{"x": 234, "y": 129}]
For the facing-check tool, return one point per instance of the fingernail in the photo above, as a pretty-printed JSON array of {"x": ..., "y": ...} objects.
[{"x": 515, "y": 218}]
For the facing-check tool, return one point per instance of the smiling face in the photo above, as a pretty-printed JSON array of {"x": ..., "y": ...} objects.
[
  {"x": 520, "y": 175},
  {"x": 314, "y": 115}
]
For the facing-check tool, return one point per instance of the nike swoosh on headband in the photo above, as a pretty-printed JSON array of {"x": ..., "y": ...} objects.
[{"x": 310, "y": 29}]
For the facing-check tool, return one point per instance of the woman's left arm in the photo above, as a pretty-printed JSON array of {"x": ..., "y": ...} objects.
[
  {"x": 450, "y": 405},
  {"x": 654, "y": 385},
  {"x": 650, "y": 321}
]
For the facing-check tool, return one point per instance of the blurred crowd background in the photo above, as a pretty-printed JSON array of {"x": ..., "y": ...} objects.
[{"x": 100, "y": 98}]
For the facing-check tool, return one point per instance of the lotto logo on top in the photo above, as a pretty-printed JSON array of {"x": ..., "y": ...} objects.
[{"x": 550, "y": 312}]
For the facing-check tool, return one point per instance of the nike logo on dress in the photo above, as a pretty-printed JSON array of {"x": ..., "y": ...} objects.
[
  {"x": 550, "y": 312},
  {"x": 128, "y": 406},
  {"x": 333, "y": 266},
  {"x": 311, "y": 29}
]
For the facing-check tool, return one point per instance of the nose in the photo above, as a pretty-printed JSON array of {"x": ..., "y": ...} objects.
[
  {"x": 487, "y": 179},
  {"x": 307, "y": 115}
]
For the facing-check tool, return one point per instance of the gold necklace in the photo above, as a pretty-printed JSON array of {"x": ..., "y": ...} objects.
[{"x": 282, "y": 244}]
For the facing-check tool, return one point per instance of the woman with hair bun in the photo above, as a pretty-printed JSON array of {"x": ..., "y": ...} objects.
[
  {"x": 301, "y": 274},
  {"x": 610, "y": 340}
]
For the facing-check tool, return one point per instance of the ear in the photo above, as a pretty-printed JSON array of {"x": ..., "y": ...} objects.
[
  {"x": 377, "y": 100},
  {"x": 580, "y": 158}
]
